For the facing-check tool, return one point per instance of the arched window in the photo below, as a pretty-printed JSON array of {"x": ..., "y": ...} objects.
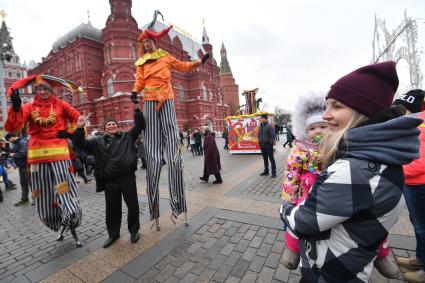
[
  {"x": 133, "y": 52},
  {"x": 182, "y": 96},
  {"x": 81, "y": 98},
  {"x": 110, "y": 84},
  {"x": 78, "y": 63},
  {"x": 204, "y": 92},
  {"x": 110, "y": 53}
]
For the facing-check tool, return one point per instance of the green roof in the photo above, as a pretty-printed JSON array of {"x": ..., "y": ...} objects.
[{"x": 224, "y": 66}]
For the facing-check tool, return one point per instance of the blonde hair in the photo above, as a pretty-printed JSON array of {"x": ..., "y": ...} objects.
[{"x": 331, "y": 141}]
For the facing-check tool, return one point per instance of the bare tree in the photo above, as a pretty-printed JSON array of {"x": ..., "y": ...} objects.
[{"x": 282, "y": 116}]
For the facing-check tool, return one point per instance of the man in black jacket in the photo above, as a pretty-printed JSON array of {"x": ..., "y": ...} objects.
[
  {"x": 116, "y": 162},
  {"x": 266, "y": 139}
]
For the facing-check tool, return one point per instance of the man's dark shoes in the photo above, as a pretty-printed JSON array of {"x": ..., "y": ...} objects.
[
  {"x": 218, "y": 181},
  {"x": 10, "y": 186},
  {"x": 110, "y": 241},
  {"x": 134, "y": 237},
  {"x": 22, "y": 202},
  {"x": 265, "y": 173},
  {"x": 203, "y": 179},
  {"x": 273, "y": 175}
]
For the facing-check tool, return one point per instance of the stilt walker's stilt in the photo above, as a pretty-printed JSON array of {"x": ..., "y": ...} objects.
[
  {"x": 74, "y": 235},
  {"x": 60, "y": 237},
  {"x": 156, "y": 223},
  {"x": 186, "y": 221}
]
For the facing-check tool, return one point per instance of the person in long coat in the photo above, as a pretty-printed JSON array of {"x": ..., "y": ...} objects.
[{"x": 212, "y": 164}]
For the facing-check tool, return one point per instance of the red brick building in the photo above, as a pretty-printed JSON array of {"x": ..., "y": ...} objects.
[
  {"x": 102, "y": 63},
  {"x": 229, "y": 88}
]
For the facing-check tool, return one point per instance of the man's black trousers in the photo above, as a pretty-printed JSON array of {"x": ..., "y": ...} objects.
[
  {"x": 125, "y": 186},
  {"x": 267, "y": 152}
]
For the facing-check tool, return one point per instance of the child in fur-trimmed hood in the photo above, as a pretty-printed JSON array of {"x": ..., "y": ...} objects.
[{"x": 303, "y": 164}]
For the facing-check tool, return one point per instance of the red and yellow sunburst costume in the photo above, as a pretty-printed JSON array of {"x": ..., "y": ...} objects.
[
  {"x": 45, "y": 117},
  {"x": 52, "y": 182}
]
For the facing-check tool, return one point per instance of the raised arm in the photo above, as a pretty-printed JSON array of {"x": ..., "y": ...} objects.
[
  {"x": 79, "y": 136},
  {"x": 17, "y": 115},
  {"x": 139, "y": 124},
  {"x": 183, "y": 66}
]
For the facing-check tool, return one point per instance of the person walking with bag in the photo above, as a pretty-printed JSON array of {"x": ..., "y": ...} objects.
[{"x": 212, "y": 164}]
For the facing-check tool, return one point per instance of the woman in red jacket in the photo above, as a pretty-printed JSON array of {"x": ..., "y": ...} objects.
[{"x": 414, "y": 191}]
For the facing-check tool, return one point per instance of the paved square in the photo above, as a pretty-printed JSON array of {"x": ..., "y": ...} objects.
[
  {"x": 263, "y": 188},
  {"x": 234, "y": 234},
  {"x": 224, "y": 246},
  {"x": 26, "y": 244}
]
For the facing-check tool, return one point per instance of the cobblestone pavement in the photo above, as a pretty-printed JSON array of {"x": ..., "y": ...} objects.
[
  {"x": 225, "y": 246},
  {"x": 223, "y": 250},
  {"x": 25, "y": 243},
  {"x": 263, "y": 188},
  {"x": 234, "y": 233}
]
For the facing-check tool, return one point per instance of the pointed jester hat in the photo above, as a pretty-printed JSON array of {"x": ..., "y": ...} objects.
[
  {"x": 150, "y": 33},
  {"x": 46, "y": 81}
]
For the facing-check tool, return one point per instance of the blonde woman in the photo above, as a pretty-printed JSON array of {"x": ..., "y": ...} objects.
[{"x": 358, "y": 196}]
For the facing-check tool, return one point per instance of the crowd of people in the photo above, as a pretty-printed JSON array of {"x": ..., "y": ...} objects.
[
  {"x": 356, "y": 152},
  {"x": 194, "y": 141}
]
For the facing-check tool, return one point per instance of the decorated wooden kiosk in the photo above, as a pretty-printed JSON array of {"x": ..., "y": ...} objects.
[{"x": 243, "y": 128}]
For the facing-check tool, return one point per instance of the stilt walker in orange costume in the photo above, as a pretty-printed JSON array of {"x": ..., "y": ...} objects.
[
  {"x": 52, "y": 181},
  {"x": 153, "y": 76}
]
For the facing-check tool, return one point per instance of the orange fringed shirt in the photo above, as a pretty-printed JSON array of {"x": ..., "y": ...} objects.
[
  {"x": 56, "y": 115},
  {"x": 154, "y": 77}
]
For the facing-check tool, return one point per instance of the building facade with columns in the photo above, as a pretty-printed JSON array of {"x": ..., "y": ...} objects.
[{"x": 102, "y": 63}]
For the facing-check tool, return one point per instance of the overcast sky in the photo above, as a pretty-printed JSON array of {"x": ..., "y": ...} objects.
[{"x": 286, "y": 48}]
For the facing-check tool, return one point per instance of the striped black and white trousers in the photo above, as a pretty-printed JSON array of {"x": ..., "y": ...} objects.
[
  {"x": 55, "y": 190},
  {"x": 162, "y": 132}
]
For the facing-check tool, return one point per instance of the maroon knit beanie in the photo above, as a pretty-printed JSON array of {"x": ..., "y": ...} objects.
[{"x": 367, "y": 90}]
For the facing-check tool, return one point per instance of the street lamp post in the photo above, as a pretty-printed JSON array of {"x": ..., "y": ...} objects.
[{"x": 5, "y": 55}]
